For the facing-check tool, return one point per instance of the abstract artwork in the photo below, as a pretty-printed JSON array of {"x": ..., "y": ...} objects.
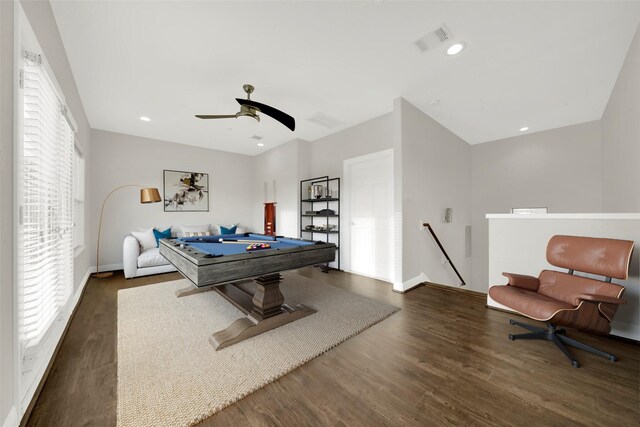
[{"x": 186, "y": 191}]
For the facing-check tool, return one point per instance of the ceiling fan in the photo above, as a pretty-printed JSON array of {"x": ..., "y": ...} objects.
[{"x": 251, "y": 108}]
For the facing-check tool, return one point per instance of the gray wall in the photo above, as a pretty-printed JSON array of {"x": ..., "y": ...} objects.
[
  {"x": 621, "y": 138},
  {"x": 119, "y": 159},
  {"x": 436, "y": 174},
  {"x": 44, "y": 25},
  {"x": 560, "y": 169},
  {"x": 327, "y": 154},
  {"x": 289, "y": 163},
  {"x": 279, "y": 168}
]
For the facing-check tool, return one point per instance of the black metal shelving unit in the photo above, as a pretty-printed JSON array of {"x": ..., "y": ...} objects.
[{"x": 309, "y": 204}]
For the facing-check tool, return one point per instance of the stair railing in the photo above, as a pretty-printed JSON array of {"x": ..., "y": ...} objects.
[{"x": 433, "y": 233}]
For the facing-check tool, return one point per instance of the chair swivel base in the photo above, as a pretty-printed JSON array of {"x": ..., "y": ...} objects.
[{"x": 557, "y": 336}]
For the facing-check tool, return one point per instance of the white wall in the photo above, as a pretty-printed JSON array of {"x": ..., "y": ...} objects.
[
  {"x": 621, "y": 137},
  {"x": 436, "y": 174},
  {"x": 279, "y": 168},
  {"x": 296, "y": 160},
  {"x": 560, "y": 169},
  {"x": 8, "y": 362},
  {"x": 327, "y": 154},
  {"x": 119, "y": 159},
  {"x": 44, "y": 25}
]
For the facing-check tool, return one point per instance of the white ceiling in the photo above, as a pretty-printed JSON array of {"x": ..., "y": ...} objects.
[{"x": 537, "y": 64}]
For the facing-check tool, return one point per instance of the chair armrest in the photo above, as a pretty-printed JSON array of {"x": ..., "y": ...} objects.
[
  {"x": 522, "y": 281},
  {"x": 130, "y": 254},
  {"x": 600, "y": 298}
]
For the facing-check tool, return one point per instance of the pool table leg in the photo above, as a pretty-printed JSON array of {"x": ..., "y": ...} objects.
[
  {"x": 248, "y": 327},
  {"x": 269, "y": 312}
]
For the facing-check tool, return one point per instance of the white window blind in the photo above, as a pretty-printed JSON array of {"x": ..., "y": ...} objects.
[
  {"x": 46, "y": 204},
  {"x": 78, "y": 200}
]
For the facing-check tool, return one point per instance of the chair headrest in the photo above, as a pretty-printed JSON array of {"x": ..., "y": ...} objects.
[{"x": 604, "y": 257}]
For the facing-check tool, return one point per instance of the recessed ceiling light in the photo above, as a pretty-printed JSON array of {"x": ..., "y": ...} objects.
[
  {"x": 455, "y": 48},
  {"x": 260, "y": 144},
  {"x": 524, "y": 128},
  {"x": 145, "y": 119}
]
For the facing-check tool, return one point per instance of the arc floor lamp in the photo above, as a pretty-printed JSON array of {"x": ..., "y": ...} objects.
[{"x": 147, "y": 195}]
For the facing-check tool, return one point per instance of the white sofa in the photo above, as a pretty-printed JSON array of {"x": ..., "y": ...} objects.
[{"x": 136, "y": 263}]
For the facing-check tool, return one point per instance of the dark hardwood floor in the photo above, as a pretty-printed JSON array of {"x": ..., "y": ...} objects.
[{"x": 443, "y": 360}]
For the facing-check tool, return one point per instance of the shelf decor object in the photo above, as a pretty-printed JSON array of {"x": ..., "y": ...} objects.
[
  {"x": 320, "y": 212},
  {"x": 270, "y": 218},
  {"x": 147, "y": 195}
]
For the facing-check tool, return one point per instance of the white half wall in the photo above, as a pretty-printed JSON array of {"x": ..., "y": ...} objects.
[
  {"x": 518, "y": 243},
  {"x": 118, "y": 159}
]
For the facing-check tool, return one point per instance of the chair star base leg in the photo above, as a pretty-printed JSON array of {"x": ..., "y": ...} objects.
[
  {"x": 558, "y": 337},
  {"x": 585, "y": 347}
]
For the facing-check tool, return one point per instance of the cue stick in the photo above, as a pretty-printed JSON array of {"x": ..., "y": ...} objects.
[{"x": 240, "y": 242}]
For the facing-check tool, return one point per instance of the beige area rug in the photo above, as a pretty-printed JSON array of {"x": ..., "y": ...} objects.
[{"x": 169, "y": 374}]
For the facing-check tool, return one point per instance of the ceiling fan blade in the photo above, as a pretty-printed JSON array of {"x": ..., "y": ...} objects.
[
  {"x": 216, "y": 116},
  {"x": 280, "y": 116}
]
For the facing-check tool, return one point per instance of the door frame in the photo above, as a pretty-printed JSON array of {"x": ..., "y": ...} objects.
[{"x": 345, "y": 217}]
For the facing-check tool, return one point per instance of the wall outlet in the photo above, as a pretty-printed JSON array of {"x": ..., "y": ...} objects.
[{"x": 448, "y": 215}]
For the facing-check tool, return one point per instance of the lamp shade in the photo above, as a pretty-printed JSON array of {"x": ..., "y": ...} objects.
[{"x": 150, "y": 195}]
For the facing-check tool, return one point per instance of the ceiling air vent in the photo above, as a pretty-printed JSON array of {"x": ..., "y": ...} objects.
[
  {"x": 434, "y": 38},
  {"x": 325, "y": 120}
]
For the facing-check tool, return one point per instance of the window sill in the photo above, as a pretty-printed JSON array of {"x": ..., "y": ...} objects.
[{"x": 78, "y": 250}]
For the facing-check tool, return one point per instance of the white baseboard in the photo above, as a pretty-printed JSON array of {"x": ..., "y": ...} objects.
[
  {"x": 626, "y": 330},
  {"x": 410, "y": 284},
  {"x": 12, "y": 418},
  {"x": 108, "y": 267}
]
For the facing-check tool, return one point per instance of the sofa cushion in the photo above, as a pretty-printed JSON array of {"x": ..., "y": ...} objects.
[
  {"x": 228, "y": 230},
  {"x": 146, "y": 239},
  {"x": 196, "y": 233},
  {"x": 166, "y": 234},
  {"x": 151, "y": 258},
  {"x": 182, "y": 229}
]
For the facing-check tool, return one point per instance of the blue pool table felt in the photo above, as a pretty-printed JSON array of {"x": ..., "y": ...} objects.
[{"x": 211, "y": 245}]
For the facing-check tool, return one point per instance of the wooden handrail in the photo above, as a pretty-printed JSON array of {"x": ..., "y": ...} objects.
[{"x": 433, "y": 233}]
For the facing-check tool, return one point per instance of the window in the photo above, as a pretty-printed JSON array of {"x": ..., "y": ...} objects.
[
  {"x": 46, "y": 203},
  {"x": 78, "y": 201}
]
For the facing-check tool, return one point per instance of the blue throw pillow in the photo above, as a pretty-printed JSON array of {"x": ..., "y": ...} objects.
[
  {"x": 230, "y": 230},
  {"x": 166, "y": 234}
]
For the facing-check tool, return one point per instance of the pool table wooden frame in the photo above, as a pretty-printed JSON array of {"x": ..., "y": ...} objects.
[{"x": 229, "y": 275}]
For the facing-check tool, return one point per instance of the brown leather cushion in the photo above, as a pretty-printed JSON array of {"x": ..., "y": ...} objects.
[
  {"x": 566, "y": 287},
  {"x": 529, "y": 303},
  {"x": 604, "y": 257}
]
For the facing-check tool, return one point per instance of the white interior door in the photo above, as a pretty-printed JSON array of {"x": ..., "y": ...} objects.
[{"x": 369, "y": 182}]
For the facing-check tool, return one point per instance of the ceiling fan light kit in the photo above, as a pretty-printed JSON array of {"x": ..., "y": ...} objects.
[{"x": 250, "y": 108}]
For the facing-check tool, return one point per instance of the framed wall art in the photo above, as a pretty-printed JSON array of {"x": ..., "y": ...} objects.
[{"x": 186, "y": 191}]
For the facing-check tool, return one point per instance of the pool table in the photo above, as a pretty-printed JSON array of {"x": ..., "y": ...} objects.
[{"x": 227, "y": 267}]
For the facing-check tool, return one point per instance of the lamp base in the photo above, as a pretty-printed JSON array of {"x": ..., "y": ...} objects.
[{"x": 102, "y": 275}]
